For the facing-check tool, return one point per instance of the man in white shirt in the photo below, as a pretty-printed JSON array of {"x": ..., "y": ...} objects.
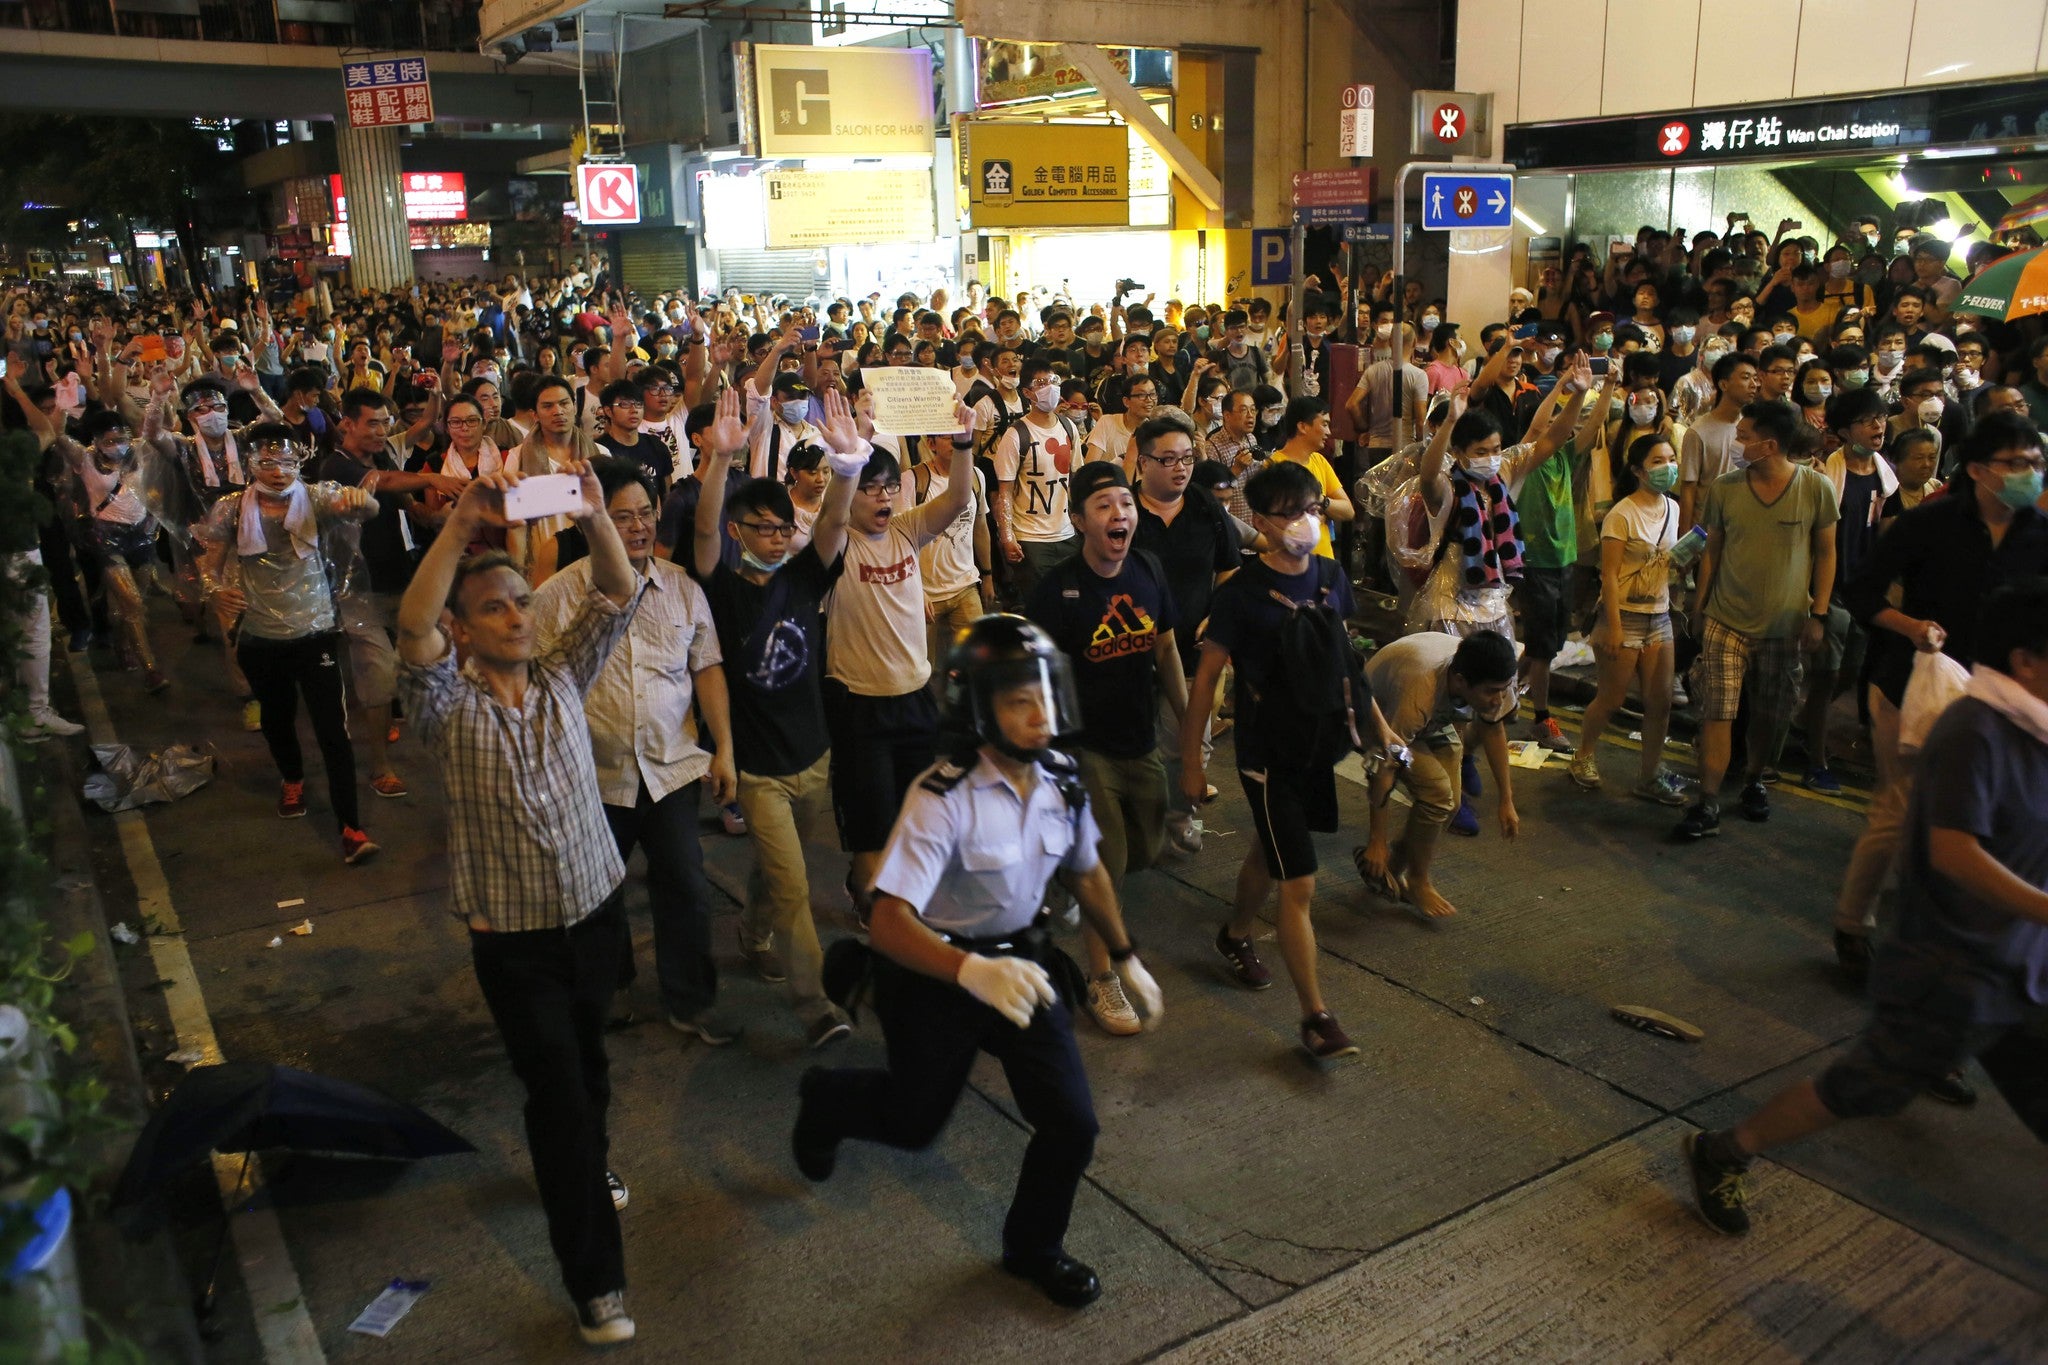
[
  {"x": 1032, "y": 459},
  {"x": 958, "y": 583},
  {"x": 781, "y": 423},
  {"x": 1709, "y": 448},
  {"x": 1111, "y": 438},
  {"x": 881, "y": 716},
  {"x": 663, "y": 416},
  {"x": 649, "y": 764}
]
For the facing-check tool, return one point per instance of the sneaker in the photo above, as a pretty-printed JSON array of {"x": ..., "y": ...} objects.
[
  {"x": 1679, "y": 696},
  {"x": 815, "y": 1150},
  {"x": 44, "y": 725},
  {"x": 827, "y": 1030},
  {"x": 391, "y": 733},
  {"x": 1718, "y": 1192},
  {"x": 1665, "y": 789},
  {"x": 390, "y": 785},
  {"x": 1111, "y": 1010},
  {"x": 1466, "y": 821},
  {"x": 1184, "y": 831},
  {"x": 1700, "y": 821},
  {"x": 603, "y": 1321},
  {"x": 734, "y": 819},
  {"x": 621, "y": 1196},
  {"x": 252, "y": 715},
  {"x": 81, "y": 639},
  {"x": 1770, "y": 777},
  {"x": 705, "y": 1027},
  {"x": 291, "y": 802},
  {"x": 1546, "y": 733},
  {"x": 1756, "y": 803},
  {"x": 1852, "y": 957},
  {"x": 356, "y": 846},
  {"x": 154, "y": 681},
  {"x": 1468, "y": 775},
  {"x": 1325, "y": 1039},
  {"x": 1953, "y": 1089},
  {"x": 1584, "y": 769},
  {"x": 761, "y": 957},
  {"x": 1243, "y": 959},
  {"x": 1821, "y": 780}
]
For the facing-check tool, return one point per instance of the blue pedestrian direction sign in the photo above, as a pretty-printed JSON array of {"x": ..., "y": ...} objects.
[
  {"x": 1272, "y": 257},
  {"x": 1452, "y": 199}
]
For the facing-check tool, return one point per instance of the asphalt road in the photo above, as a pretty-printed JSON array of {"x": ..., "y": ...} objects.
[{"x": 1496, "y": 1177}]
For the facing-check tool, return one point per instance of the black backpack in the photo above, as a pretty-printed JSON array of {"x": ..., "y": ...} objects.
[{"x": 1317, "y": 703}]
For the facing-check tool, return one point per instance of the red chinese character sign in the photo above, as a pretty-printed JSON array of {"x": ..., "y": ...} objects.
[
  {"x": 608, "y": 193},
  {"x": 387, "y": 90}
]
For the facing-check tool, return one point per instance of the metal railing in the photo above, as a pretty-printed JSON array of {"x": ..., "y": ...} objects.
[{"x": 385, "y": 25}]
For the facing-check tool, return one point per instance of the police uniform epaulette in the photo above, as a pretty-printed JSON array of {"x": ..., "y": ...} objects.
[{"x": 947, "y": 774}]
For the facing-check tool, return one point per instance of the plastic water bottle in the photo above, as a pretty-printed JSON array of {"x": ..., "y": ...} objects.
[{"x": 1688, "y": 547}]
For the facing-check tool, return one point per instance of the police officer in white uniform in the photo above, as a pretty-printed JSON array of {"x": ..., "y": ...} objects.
[{"x": 961, "y": 949}]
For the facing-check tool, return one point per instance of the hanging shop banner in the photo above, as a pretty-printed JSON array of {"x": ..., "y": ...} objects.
[
  {"x": 843, "y": 101},
  {"x": 1048, "y": 174},
  {"x": 1007, "y": 72},
  {"x": 387, "y": 90},
  {"x": 847, "y": 208}
]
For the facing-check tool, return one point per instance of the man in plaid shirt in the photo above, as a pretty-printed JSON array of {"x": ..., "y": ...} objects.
[{"x": 535, "y": 871}]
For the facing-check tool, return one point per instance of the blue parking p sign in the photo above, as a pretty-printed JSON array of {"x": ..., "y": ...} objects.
[{"x": 1272, "y": 257}]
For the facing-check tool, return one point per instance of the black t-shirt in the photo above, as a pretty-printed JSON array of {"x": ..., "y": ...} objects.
[
  {"x": 772, "y": 673},
  {"x": 1197, "y": 545},
  {"x": 1862, "y": 504},
  {"x": 384, "y": 550},
  {"x": 677, "y": 530},
  {"x": 1245, "y": 620},
  {"x": 650, "y": 454},
  {"x": 1108, "y": 629}
]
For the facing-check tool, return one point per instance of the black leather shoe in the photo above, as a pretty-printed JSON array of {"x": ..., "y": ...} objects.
[
  {"x": 1953, "y": 1089},
  {"x": 1063, "y": 1279},
  {"x": 816, "y": 1152}
]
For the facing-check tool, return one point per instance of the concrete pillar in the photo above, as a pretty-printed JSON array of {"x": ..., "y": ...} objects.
[{"x": 376, "y": 207}]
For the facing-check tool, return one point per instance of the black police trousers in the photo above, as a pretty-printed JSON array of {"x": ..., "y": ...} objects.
[{"x": 932, "y": 1030}]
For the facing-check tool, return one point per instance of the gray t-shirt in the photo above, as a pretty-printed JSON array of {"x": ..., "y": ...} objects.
[
  {"x": 288, "y": 594},
  {"x": 1408, "y": 680},
  {"x": 1763, "y": 577}
]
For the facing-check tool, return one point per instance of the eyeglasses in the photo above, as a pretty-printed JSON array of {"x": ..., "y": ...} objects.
[
  {"x": 289, "y": 463},
  {"x": 885, "y": 490},
  {"x": 201, "y": 409},
  {"x": 1140, "y": 396},
  {"x": 638, "y": 517},
  {"x": 464, "y": 423},
  {"x": 773, "y": 530},
  {"x": 2019, "y": 462},
  {"x": 657, "y": 391},
  {"x": 1173, "y": 461}
]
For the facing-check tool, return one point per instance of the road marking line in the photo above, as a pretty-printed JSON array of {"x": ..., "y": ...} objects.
[{"x": 276, "y": 1299}]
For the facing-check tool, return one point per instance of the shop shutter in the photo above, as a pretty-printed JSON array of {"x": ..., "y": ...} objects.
[
  {"x": 793, "y": 274},
  {"x": 657, "y": 260}
]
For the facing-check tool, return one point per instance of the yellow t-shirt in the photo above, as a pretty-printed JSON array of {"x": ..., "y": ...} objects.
[{"x": 1333, "y": 487}]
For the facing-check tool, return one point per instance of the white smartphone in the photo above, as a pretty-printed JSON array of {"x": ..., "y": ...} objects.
[{"x": 544, "y": 495}]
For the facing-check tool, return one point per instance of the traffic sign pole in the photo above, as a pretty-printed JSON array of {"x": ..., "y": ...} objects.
[{"x": 1401, "y": 252}]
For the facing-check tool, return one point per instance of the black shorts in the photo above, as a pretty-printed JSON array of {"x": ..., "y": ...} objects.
[
  {"x": 1545, "y": 598},
  {"x": 1287, "y": 806},
  {"x": 130, "y": 543},
  {"x": 879, "y": 746},
  {"x": 1906, "y": 1048}
]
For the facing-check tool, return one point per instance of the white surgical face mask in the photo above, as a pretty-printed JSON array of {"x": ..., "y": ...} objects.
[
  {"x": 1818, "y": 392},
  {"x": 1551, "y": 353},
  {"x": 1483, "y": 467},
  {"x": 1966, "y": 378},
  {"x": 1642, "y": 414},
  {"x": 1930, "y": 411},
  {"x": 1783, "y": 338},
  {"x": 1385, "y": 331},
  {"x": 1271, "y": 415},
  {"x": 795, "y": 411},
  {"x": 1045, "y": 397},
  {"x": 1430, "y": 321},
  {"x": 1302, "y": 535},
  {"x": 213, "y": 424},
  {"x": 1711, "y": 354}
]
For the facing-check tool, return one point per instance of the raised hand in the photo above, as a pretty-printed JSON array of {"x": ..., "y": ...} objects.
[{"x": 728, "y": 431}]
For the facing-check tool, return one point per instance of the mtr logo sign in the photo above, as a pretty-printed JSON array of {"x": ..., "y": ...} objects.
[{"x": 608, "y": 194}]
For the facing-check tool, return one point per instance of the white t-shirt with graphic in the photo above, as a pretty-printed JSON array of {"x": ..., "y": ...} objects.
[{"x": 1037, "y": 459}]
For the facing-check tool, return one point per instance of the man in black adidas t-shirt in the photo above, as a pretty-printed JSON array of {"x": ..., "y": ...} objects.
[{"x": 1111, "y": 612}]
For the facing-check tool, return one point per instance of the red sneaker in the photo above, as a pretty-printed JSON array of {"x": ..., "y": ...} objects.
[
  {"x": 292, "y": 803},
  {"x": 356, "y": 846},
  {"x": 389, "y": 785}
]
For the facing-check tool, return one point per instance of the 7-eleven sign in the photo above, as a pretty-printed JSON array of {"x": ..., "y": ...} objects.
[{"x": 608, "y": 193}]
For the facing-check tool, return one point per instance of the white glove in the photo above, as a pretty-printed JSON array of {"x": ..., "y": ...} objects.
[
  {"x": 1141, "y": 989},
  {"x": 846, "y": 466},
  {"x": 1011, "y": 986}
]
